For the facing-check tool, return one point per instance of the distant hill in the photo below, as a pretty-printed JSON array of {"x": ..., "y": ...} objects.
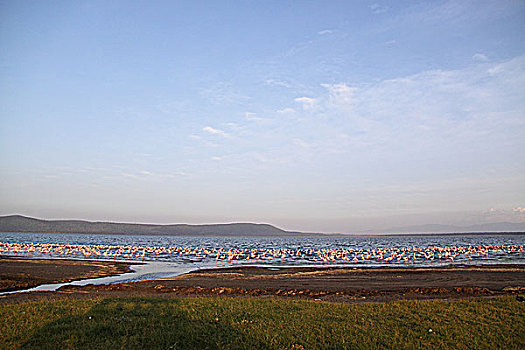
[
  {"x": 18, "y": 223},
  {"x": 437, "y": 228}
]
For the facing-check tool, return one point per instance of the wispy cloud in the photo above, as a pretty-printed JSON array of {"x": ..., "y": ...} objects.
[
  {"x": 438, "y": 100},
  {"x": 435, "y": 121},
  {"x": 278, "y": 82},
  {"x": 340, "y": 95},
  {"x": 436, "y": 111},
  {"x": 326, "y": 31},
  {"x": 286, "y": 110},
  {"x": 480, "y": 57},
  {"x": 377, "y": 8},
  {"x": 214, "y": 131},
  {"x": 217, "y": 158},
  {"x": 307, "y": 103},
  {"x": 301, "y": 143},
  {"x": 131, "y": 176},
  {"x": 253, "y": 117}
]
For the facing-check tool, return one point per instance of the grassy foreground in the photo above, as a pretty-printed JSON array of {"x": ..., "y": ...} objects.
[{"x": 235, "y": 323}]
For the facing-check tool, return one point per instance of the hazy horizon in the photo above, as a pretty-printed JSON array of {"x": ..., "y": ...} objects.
[
  {"x": 403, "y": 226},
  {"x": 310, "y": 116}
]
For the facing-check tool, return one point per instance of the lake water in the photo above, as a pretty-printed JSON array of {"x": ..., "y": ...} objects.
[
  {"x": 162, "y": 256},
  {"x": 200, "y": 252}
]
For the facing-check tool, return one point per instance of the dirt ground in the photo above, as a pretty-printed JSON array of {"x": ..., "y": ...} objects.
[{"x": 320, "y": 284}]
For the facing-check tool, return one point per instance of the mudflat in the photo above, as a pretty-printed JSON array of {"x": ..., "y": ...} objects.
[
  {"x": 334, "y": 279},
  {"x": 334, "y": 284},
  {"x": 18, "y": 274},
  {"x": 321, "y": 284}
]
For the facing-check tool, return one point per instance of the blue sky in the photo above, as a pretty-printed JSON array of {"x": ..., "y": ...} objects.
[{"x": 310, "y": 115}]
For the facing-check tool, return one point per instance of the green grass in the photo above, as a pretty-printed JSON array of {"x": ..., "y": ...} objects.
[{"x": 235, "y": 323}]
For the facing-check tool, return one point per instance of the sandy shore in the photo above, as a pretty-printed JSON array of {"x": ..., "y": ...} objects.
[{"x": 326, "y": 284}]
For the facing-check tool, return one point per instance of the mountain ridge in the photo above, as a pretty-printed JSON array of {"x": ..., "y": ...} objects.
[{"x": 20, "y": 223}]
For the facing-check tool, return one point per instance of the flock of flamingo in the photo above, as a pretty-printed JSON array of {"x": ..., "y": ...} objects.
[{"x": 447, "y": 254}]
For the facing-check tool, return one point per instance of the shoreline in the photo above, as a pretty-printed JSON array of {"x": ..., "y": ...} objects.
[
  {"x": 20, "y": 273},
  {"x": 333, "y": 284}
]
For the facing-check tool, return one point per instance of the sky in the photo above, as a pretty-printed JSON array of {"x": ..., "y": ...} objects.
[{"x": 324, "y": 116}]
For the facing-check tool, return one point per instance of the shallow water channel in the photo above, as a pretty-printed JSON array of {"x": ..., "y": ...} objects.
[{"x": 140, "y": 271}]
